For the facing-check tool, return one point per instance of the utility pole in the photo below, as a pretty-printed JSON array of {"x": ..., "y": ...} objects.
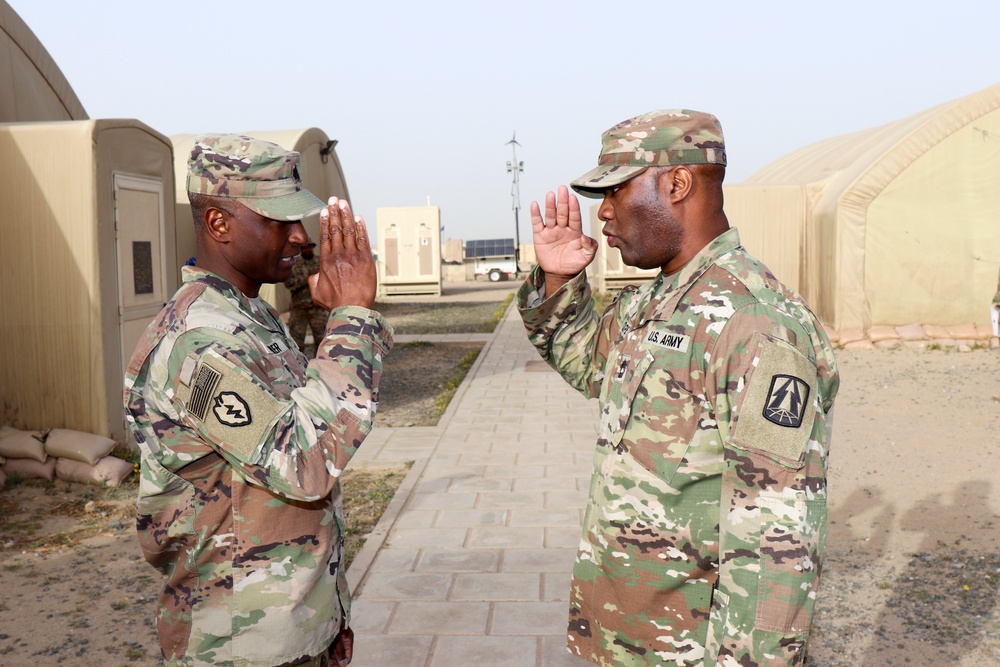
[{"x": 514, "y": 167}]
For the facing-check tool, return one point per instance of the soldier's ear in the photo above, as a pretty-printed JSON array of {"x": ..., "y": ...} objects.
[
  {"x": 218, "y": 224},
  {"x": 677, "y": 183}
]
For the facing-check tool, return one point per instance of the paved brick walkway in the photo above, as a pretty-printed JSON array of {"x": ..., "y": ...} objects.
[{"x": 470, "y": 564}]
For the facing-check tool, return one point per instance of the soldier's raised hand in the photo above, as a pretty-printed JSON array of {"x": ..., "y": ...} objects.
[
  {"x": 561, "y": 247},
  {"x": 347, "y": 275}
]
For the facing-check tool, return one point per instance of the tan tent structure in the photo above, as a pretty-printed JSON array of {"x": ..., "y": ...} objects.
[
  {"x": 89, "y": 257},
  {"x": 891, "y": 226},
  {"x": 32, "y": 87},
  {"x": 89, "y": 204},
  {"x": 319, "y": 168}
]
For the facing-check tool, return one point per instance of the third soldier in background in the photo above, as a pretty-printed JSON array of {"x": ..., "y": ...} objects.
[
  {"x": 302, "y": 311},
  {"x": 704, "y": 535}
]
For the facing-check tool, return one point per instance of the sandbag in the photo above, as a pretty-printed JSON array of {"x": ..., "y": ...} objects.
[
  {"x": 78, "y": 445},
  {"x": 17, "y": 444},
  {"x": 30, "y": 468},
  {"x": 108, "y": 471}
]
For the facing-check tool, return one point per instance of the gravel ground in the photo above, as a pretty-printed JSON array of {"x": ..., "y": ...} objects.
[{"x": 415, "y": 375}]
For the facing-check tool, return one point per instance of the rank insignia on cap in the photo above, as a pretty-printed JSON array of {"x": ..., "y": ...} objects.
[
  {"x": 231, "y": 410},
  {"x": 786, "y": 401}
]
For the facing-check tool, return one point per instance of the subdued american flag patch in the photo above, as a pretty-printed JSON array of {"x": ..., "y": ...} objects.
[{"x": 204, "y": 389}]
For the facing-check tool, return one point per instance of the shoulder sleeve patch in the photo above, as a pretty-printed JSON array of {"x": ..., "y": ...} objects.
[
  {"x": 776, "y": 414},
  {"x": 235, "y": 411}
]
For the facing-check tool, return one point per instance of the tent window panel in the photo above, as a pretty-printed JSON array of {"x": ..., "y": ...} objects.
[{"x": 142, "y": 267}]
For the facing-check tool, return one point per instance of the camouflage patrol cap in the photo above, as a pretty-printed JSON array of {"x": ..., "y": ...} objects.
[
  {"x": 262, "y": 176},
  {"x": 665, "y": 137}
]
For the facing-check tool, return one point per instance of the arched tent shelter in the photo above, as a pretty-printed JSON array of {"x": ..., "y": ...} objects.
[
  {"x": 890, "y": 226},
  {"x": 319, "y": 168},
  {"x": 32, "y": 87},
  {"x": 89, "y": 204}
]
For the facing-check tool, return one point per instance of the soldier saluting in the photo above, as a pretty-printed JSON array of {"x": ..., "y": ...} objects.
[
  {"x": 242, "y": 442},
  {"x": 704, "y": 535}
]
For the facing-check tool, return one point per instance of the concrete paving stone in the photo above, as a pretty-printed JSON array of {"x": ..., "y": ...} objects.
[
  {"x": 563, "y": 536},
  {"x": 459, "y": 560},
  {"x": 533, "y": 618},
  {"x": 371, "y": 616},
  {"x": 506, "y": 538},
  {"x": 518, "y": 425},
  {"x": 416, "y": 519},
  {"x": 555, "y": 585},
  {"x": 568, "y": 445},
  {"x": 438, "y": 485},
  {"x": 539, "y": 517},
  {"x": 577, "y": 466},
  {"x": 555, "y": 654},
  {"x": 511, "y": 500},
  {"x": 520, "y": 471},
  {"x": 481, "y": 484},
  {"x": 561, "y": 499},
  {"x": 538, "y": 560},
  {"x": 395, "y": 560},
  {"x": 517, "y": 445},
  {"x": 441, "y": 618},
  {"x": 468, "y": 518},
  {"x": 428, "y": 537},
  {"x": 542, "y": 458},
  {"x": 371, "y": 650},
  {"x": 548, "y": 484},
  {"x": 463, "y": 651},
  {"x": 406, "y": 586},
  {"x": 522, "y": 586},
  {"x": 439, "y": 458},
  {"x": 436, "y": 501},
  {"x": 487, "y": 458}
]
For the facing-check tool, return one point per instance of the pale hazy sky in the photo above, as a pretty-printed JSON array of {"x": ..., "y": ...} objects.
[{"x": 423, "y": 96}]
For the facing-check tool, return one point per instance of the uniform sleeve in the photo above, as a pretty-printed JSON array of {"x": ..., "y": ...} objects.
[
  {"x": 769, "y": 404},
  {"x": 566, "y": 330},
  {"x": 295, "y": 443}
]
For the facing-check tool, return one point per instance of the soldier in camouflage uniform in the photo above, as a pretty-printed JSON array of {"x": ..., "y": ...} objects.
[
  {"x": 242, "y": 441},
  {"x": 302, "y": 311},
  {"x": 704, "y": 534}
]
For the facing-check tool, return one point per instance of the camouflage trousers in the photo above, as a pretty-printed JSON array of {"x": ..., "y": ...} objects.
[{"x": 312, "y": 317}]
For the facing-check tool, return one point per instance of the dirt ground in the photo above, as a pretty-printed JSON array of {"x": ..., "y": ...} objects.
[{"x": 912, "y": 575}]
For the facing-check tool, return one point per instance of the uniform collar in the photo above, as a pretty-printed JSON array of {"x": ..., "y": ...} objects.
[
  {"x": 194, "y": 274},
  {"x": 721, "y": 245}
]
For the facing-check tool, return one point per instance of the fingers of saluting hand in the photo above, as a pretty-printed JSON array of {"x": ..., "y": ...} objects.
[
  {"x": 340, "y": 229},
  {"x": 537, "y": 223}
]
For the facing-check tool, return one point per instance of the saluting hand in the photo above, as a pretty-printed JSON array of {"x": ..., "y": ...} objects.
[
  {"x": 347, "y": 275},
  {"x": 561, "y": 248}
]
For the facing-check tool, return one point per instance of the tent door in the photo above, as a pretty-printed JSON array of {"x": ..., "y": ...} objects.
[{"x": 140, "y": 233}]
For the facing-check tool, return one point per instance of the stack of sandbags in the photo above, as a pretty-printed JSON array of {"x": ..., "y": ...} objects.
[
  {"x": 70, "y": 455},
  {"x": 24, "y": 454}
]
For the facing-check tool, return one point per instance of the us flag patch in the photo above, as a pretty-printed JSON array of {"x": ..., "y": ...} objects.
[
  {"x": 786, "y": 401},
  {"x": 204, "y": 389}
]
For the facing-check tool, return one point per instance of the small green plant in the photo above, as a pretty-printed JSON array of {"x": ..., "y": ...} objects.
[
  {"x": 442, "y": 400},
  {"x": 499, "y": 313},
  {"x": 118, "y": 605}
]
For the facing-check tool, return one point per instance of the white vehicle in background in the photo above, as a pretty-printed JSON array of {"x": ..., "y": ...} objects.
[{"x": 493, "y": 258}]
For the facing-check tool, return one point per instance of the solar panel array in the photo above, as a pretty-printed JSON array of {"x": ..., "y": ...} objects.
[{"x": 489, "y": 248}]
